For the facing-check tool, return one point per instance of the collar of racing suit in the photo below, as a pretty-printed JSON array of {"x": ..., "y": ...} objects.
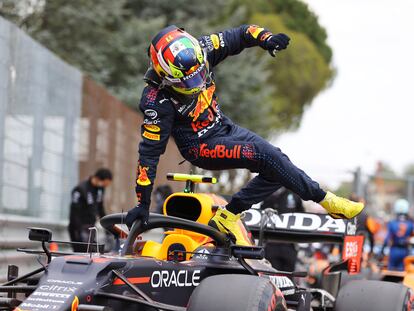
[{"x": 152, "y": 78}]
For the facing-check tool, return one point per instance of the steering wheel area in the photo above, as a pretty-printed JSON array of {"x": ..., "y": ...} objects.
[{"x": 110, "y": 223}]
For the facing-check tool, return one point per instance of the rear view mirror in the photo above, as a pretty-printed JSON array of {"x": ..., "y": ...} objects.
[{"x": 40, "y": 234}]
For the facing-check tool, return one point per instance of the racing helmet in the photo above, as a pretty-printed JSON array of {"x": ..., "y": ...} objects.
[
  {"x": 179, "y": 60},
  {"x": 401, "y": 206}
]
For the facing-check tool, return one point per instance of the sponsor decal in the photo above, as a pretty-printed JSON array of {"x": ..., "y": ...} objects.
[
  {"x": 203, "y": 102},
  {"x": 151, "y": 113},
  {"x": 36, "y": 306},
  {"x": 207, "y": 43},
  {"x": 46, "y": 300},
  {"x": 281, "y": 281},
  {"x": 220, "y": 152},
  {"x": 199, "y": 125},
  {"x": 285, "y": 285},
  {"x": 57, "y": 288},
  {"x": 152, "y": 128},
  {"x": 51, "y": 295},
  {"x": 298, "y": 221},
  {"x": 264, "y": 36},
  {"x": 201, "y": 130},
  {"x": 222, "y": 44},
  {"x": 352, "y": 252},
  {"x": 75, "y": 304},
  {"x": 172, "y": 278},
  {"x": 215, "y": 40},
  {"x": 248, "y": 151},
  {"x": 213, "y": 118},
  {"x": 254, "y": 30},
  {"x": 195, "y": 72},
  {"x": 163, "y": 100},
  {"x": 151, "y": 136},
  {"x": 150, "y": 122},
  {"x": 143, "y": 179},
  {"x": 64, "y": 282},
  {"x": 202, "y": 254}
]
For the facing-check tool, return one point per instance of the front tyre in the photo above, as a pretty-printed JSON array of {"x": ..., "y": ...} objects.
[{"x": 234, "y": 292}]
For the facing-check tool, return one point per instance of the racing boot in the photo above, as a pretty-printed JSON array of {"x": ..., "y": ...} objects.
[
  {"x": 230, "y": 224},
  {"x": 339, "y": 207}
]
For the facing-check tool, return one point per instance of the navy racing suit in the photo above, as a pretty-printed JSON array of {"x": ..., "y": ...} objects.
[{"x": 210, "y": 140}]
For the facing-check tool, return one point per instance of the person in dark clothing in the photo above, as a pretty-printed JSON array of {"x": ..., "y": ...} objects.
[
  {"x": 86, "y": 205},
  {"x": 282, "y": 256},
  {"x": 180, "y": 101}
]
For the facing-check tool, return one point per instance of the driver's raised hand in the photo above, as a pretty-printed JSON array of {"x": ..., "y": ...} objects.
[
  {"x": 140, "y": 212},
  {"x": 277, "y": 43}
]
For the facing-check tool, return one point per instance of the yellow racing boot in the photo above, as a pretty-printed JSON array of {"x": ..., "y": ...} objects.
[
  {"x": 339, "y": 207},
  {"x": 230, "y": 224}
]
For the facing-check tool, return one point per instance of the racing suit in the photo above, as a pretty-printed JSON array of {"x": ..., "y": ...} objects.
[
  {"x": 398, "y": 232},
  {"x": 210, "y": 140}
]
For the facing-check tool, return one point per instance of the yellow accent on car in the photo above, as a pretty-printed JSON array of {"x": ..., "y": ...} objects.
[
  {"x": 193, "y": 178},
  {"x": 199, "y": 206}
]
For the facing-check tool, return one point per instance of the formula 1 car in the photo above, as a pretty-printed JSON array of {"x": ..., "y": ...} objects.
[{"x": 194, "y": 267}]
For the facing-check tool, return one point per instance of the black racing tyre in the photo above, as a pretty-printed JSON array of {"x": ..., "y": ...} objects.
[
  {"x": 364, "y": 295},
  {"x": 234, "y": 292}
]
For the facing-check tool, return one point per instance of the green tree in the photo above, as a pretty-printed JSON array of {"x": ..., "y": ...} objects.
[
  {"x": 295, "y": 15},
  {"x": 298, "y": 74}
]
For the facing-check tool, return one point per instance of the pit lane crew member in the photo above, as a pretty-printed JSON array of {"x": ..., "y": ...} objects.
[
  {"x": 180, "y": 100},
  {"x": 399, "y": 231},
  {"x": 86, "y": 205}
]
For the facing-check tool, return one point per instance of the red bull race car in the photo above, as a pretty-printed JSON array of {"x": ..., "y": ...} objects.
[{"x": 195, "y": 267}]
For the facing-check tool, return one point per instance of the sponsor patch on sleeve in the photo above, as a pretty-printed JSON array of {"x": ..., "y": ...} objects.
[
  {"x": 215, "y": 40},
  {"x": 151, "y": 136},
  {"x": 254, "y": 30},
  {"x": 266, "y": 35},
  {"x": 142, "y": 178},
  {"x": 151, "y": 113},
  {"x": 207, "y": 43},
  {"x": 152, "y": 128}
]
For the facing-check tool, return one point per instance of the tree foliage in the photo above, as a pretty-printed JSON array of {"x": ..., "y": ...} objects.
[{"x": 108, "y": 40}]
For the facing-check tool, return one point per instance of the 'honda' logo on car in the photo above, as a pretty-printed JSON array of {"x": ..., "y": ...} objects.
[
  {"x": 297, "y": 221},
  {"x": 182, "y": 278}
]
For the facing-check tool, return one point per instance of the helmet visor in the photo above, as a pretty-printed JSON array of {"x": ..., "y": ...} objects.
[{"x": 193, "y": 83}]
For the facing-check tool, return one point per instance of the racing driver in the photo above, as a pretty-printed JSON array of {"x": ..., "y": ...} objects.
[{"x": 180, "y": 100}]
